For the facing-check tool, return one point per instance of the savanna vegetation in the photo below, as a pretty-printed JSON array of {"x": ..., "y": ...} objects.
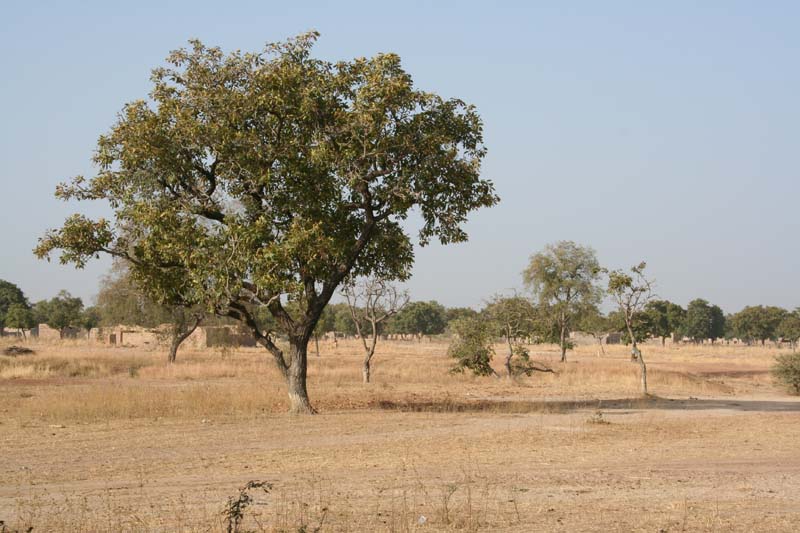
[{"x": 284, "y": 194}]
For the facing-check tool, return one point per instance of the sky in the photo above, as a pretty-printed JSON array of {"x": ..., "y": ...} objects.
[{"x": 658, "y": 131}]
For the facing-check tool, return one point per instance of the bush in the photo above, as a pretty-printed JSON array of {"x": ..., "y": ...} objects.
[
  {"x": 787, "y": 371},
  {"x": 472, "y": 346},
  {"x": 521, "y": 363}
]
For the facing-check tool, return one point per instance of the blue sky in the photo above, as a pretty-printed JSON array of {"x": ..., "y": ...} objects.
[{"x": 665, "y": 132}]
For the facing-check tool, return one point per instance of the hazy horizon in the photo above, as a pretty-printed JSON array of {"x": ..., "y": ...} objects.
[{"x": 661, "y": 133}]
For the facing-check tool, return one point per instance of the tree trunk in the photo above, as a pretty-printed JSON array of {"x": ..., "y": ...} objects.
[
  {"x": 181, "y": 331},
  {"x": 509, "y": 356},
  {"x": 296, "y": 377},
  {"x": 563, "y": 344},
  {"x": 365, "y": 371},
  {"x": 316, "y": 344},
  {"x": 635, "y": 352},
  {"x": 643, "y": 368},
  {"x": 663, "y": 342}
]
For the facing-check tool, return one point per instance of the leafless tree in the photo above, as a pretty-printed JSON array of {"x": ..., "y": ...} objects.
[{"x": 372, "y": 301}]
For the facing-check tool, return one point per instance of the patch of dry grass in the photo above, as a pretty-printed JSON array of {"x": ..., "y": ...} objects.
[{"x": 73, "y": 382}]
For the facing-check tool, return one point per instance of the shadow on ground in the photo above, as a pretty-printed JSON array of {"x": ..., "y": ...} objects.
[{"x": 450, "y": 405}]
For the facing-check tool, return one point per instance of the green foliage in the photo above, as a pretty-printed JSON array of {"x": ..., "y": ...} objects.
[
  {"x": 512, "y": 317},
  {"x": 471, "y": 346},
  {"x": 60, "y": 312},
  {"x": 252, "y": 175},
  {"x": 789, "y": 328},
  {"x": 640, "y": 325},
  {"x": 455, "y": 313},
  {"x": 521, "y": 363},
  {"x": 342, "y": 319},
  {"x": 787, "y": 371},
  {"x": 90, "y": 318},
  {"x": 631, "y": 291},
  {"x": 592, "y": 321},
  {"x": 249, "y": 180},
  {"x": 664, "y": 318},
  {"x": 121, "y": 301},
  {"x": 10, "y": 295},
  {"x": 564, "y": 278},
  {"x": 420, "y": 318},
  {"x": 19, "y": 316},
  {"x": 758, "y": 323},
  {"x": 703, "y": 321}
]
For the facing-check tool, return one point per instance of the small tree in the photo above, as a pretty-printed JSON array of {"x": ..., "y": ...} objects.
[
  {"x": 10, "y": 294},
  {"x": 789, "y": 328},
  {"x": 60, "y": 312},
  {"x": 471, "y": 346},
  {"x": 420, "y": 319},
  {"x": 20, "y": 317},
  {"x": 455, "y": 313},
  {"x": 372, "y": 301},
  {"x": 122, "y": 300},
  {"x": 597, "y": 325},
  {"x": 90, "y": 318},
  {"x": 513, "y": 317},
  {"x": 631, "y": 292},
  {"x": 326, "y": 324},
  {"x": 564, "y": 278},
  {"x": 787, "y": 371},
  {"x": 664, "y": 318}
]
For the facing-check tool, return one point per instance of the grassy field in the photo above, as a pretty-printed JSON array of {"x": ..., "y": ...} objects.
[{"x": 109, "y": 439}]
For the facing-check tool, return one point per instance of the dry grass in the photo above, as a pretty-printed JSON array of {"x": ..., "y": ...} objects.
[
  {"x": 71, "y": 382},
  {"x": 98, "y": 438}
]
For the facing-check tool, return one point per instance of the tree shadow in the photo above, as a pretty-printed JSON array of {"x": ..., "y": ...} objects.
[{"x": 451, "y": 405}]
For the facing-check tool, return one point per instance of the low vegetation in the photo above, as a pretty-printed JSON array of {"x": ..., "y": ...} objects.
[{"x": 787, "y": 371}]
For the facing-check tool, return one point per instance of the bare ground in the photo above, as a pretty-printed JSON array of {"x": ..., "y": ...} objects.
[{"x": 475, "y": 455}]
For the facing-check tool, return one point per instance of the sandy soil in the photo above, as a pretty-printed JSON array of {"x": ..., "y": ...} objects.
[{"x": 723, "y": 463}]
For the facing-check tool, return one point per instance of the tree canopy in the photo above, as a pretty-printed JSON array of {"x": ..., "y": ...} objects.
[
  {"x": 703, "y": 321},
  {"x": 10, "y": 295},
  {"x": 420, "y": 318},
  {"x": 664, "y": 318},
  {"x": 250, "y": 179},
  {"x": 60, "y": 312},
  {"x": 757, "y": 323},
  {"x": 564, "y": 278}
]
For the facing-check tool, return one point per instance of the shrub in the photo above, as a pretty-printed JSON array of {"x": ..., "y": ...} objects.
[
  {"x": 787, "y": 371},
  {"x": 472, "y": 346}
]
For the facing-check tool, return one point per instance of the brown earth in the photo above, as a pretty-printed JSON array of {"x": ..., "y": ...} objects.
[{"x": 162, "y": 449}]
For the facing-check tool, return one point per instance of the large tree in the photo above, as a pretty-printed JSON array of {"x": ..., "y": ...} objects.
[
  {"x": 593, "y": 322},
  {"x": 252, "y": 179},
  {"x": 564, "y": 278}
]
